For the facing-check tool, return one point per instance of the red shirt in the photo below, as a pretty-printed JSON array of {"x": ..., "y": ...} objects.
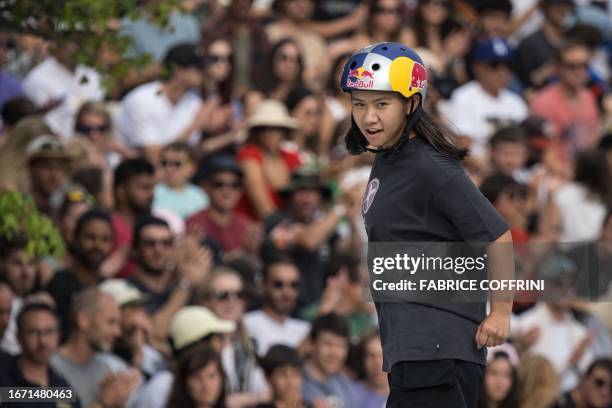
[
  {"x": 575, "y": 123},
  {"x": 123, "y": 237},
  {"x": 253, "y": 152},
  {"x": 230, "y": 237}
]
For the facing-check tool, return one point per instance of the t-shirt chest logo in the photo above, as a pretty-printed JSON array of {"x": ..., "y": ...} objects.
[{"x": 370, "y": 193}]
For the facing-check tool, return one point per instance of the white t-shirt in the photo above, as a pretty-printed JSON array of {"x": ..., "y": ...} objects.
[
  {"x": 477, "y": 114},
  {"x": 268, "y": 332},
  {"x": 50, "y": 81},
  {"x": 147, "y": 118},
  {"x": 581, "y": 215}
]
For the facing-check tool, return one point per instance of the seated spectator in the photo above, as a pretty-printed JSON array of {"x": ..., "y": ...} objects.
[
  {"x": 224, "y": 294},
  {"x": 84, "y": 360},
  {"x": 165, "y": 272},
  {"x": 509, "y": 198},
  {"x": 94, "y": 122},
  {"x": 311, "y": 231},
  {"x": 336, "y": 111},
  {"x": 158, "y": 113},
  {"x": 491, "y": 105},
  {"x": 273, "y": 324},
  {"x": 192, "y": 328},
  {"x": 292, "y": 23},
  {"x": 133, "y": 344},
  {"x": 266, "y": 165},
  {"x": 323, "y": 378},
  {"x": 199, "y": 380},
  {"x": 562, "y": 339},
  {"x": 47, "y": 166},
  {"x": 283, "y": 367},
  {"x": 285, "y": 72},
  {"x": 59, "y": 85},
  {"x": 343, "y": 295},
  {"x": 595, "y": 388},
  {"x": 174, "y": 192},
  {"x": 372, "y": 387},
  {"x": 307, "y": 108},
  {"x": 509, "y": 152},
  {"x": 494, "y": 17},
  {"x": 568, "y": 105},
  {"x": 93, "y": 238},
  {"x": 583, "y": 201},
  {"x": 221, "y": 178},
  {"x": 501, "y": 386},
  {"x": 38, "y": 334},
  {"x": 534, "y": 54},
  {"x": 6, "y": 305},
  {"x": 539, "y": 383}
]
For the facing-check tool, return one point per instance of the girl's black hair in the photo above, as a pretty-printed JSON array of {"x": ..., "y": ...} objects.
[
  {"x": 420, "y": 25},
  {"x": 591, "y": 170},
  {"x": 512, "y": 398},
  {"x": 269, "y": 81},
  {"x": 187, "y": 364}
]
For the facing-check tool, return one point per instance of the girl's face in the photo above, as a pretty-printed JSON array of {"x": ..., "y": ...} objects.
[
  {"x": 227, "y": 300},
  {"x": 309, "y": 112},
  {"x": 286, "y": 63},
  {"x": 95, "y": 128},
  {"x": 271, "y": 138},
  {"x": 204, "y": 385},
  {"x": 387, "y": 16},
  {"x": 498, "y": 379},
  {"x": 219, "y": 54},
  {"x": 380, "y": 116},
  {"x": 434, "y": 11}
]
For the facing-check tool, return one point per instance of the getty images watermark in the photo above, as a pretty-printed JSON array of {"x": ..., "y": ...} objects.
[{"x": 462, "y": 272}]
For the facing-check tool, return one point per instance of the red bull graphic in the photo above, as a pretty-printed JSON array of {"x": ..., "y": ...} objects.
[
  {"x": 419, "y": 76},
  {"x": 360, "y": 78}
]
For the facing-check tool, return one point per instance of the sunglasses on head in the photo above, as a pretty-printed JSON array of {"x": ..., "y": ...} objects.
[
  {"x": 87, "y": 130},
  {"x": 155, "y": 242},
  {"x": 279, "y": 284},
  {"x": 227, "y": 294}
]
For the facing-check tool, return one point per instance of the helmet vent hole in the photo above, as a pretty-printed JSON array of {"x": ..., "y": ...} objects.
[
  {"x": 385, "y": 48},
  {"x": 375, "y": 67},
  {"x": 403, "y": 49},
  {"x": 353, "y": 64}
]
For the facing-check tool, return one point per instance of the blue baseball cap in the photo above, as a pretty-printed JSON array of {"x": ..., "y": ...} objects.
[{"x": 493, "y": 49}]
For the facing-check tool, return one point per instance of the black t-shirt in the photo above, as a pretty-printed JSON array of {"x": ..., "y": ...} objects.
[
  {"x": 533, "y": 52},
  {"x": 11, "y": 376},
  {"x": 421, "y": 195},
  {"x": 63, "y": 287}
]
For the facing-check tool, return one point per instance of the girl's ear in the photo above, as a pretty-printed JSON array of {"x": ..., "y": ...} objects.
[{"x": 413, "y": 104}]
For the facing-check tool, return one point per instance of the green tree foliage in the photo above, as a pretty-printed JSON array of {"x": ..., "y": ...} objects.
[
  {"x": 20, "y": 219},
  {"x": 93, "y": 25}
]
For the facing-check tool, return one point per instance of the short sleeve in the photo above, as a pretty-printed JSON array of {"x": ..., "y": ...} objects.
[
  {"x": 473, "y": 216},
  {"x": 292, "y": 159},
  {"x": 136, "y": 126},
  {"x": 249, "y": 152}
]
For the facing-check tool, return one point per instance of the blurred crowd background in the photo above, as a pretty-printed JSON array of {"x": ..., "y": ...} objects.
[{"x": 192, "y": 235}]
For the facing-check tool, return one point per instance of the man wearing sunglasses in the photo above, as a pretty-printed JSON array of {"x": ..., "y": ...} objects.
[
  {"x": 480, "y": 107},
  {"x": 595, "y": 388},
  {"x": 273, "y": 324}
]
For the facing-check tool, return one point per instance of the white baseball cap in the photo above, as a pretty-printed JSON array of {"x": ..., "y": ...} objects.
[
  {"x": 122, "y": 292},
  {"x": 193, "y": 323}
]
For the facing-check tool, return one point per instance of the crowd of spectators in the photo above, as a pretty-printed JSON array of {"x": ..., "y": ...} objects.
[{"x": 211, "y": 214}]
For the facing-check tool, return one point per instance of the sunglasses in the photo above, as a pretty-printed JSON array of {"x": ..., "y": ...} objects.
[
  {"x": 601, "y": 383},
  {"x": 220, "y": 184},
  {"x": 87, "y": 130},
  {"x": 225, "y": 295},
  {"x": 279, "y": 284},
  {"x": 217, "y": 58},
  {"x": 575, "y": 66},
  {"x": 154, "y": 242},
  {"x": 171, "y": 163},
  {"x": 385, "y": 10}
]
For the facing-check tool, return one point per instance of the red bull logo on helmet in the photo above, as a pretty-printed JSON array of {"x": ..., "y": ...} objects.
[
  {"x": 360, "y": 78},
  {"x": 419, "y": 76}
]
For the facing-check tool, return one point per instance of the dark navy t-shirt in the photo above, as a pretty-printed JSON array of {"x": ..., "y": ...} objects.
[{"x": 421, "y": 195}]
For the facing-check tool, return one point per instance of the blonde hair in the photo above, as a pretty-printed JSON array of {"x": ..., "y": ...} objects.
[{"x": 539, "y": 382}]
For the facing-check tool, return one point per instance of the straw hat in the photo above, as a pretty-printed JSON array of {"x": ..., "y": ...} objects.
[
  {"x": 272, "y": 113},
  {"x": 193, "y": 323}
]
